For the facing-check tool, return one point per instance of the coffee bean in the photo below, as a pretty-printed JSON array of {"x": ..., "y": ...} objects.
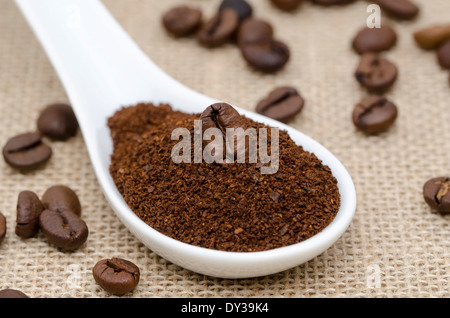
[
  {"x": 219, "y": 29},
  {"x": 223, "y": 116},
  {"x": 375, "y": 39},
  {"x": 29, "y": 208},
  {"x": 26, "y": 151},
  {"x": 444, "y": 54},
  {"x": 242, "y": 8},
  {"x": 281, "y": 104},
  {"x": 2, "y": 227},
  {"x": 254, "y": 30},
  {"x": 117, "y": 276},
  {"x": 12, "y": 293},
  {"x": 332, "y": 2},
  {"x": 267, "y": 56},
  {"x": 182, "y": 20},
  {"x": 64, "y": 229},
  {"x": 58, "y": 121},
  {"x": 375, "y": 72},
  {"x": 436, "y": 193},
  {"x": 433, "y": 36},
  {"x": 287, "y": 5},
  {"x": 61, "y": 198},
  {"x": 401, "y": 9},
  {"x": 374, "y": 114}
]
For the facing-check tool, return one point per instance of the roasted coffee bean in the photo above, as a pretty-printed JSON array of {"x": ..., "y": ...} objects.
[
  {"x": 287, "y": 5},
  {"x": 436, "y": 193},
  {"x": 267, "y": 56},
  {"x": 182, "y": 20},
  {"x": 444, "y": 54},
  {"x": 29, "y": 208},
  {"x": 219, "y": 29},
  {"x": 375, "y": 72},
  {"x": 242, "y": 8},
  {"x": 61, "y": 198},
  {"x": 433, "y": 36},
  {"x": 26, "y": 151},
  {"x": 374, "y": 114},
  {"x": 58, "y": 121},
  {"x": 254, "y": 30},
  {"x": 12, "y": 293},
  {"x": 2, "y": 227},
  {"x": 117, "y": 276},
  {"x": 401, "y": 9},
  {"x": 332, "y": 2},
  {"x": 281, "y": 104},
  {"x": 63, "y": 229},
  {"x": 223, "y": 116},
  {"x": 375, "y": 39}
]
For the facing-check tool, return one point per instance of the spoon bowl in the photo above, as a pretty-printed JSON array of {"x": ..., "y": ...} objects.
[{"x": 103, "y": 70}]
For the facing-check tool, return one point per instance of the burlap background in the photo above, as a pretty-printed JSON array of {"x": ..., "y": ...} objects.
[{"x": 395, "y": 247}]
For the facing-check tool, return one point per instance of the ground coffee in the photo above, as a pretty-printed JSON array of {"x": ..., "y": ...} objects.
[{"x": 230, "y": 207}]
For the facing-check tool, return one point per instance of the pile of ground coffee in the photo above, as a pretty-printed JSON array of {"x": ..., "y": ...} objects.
[{"x": 230, "y": 207}]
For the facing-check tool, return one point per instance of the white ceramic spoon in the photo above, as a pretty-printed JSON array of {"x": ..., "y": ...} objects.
[{"x": 102, "y": 70}]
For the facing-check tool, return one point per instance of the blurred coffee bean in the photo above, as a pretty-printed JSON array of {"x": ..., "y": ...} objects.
[
  {"x": 26, "y": 151},
  {"x": 219, "y": 29},
  {"x": 374, "y": 114},
  {"x": 182, "y": 20},
  {"x": 58, "y": 121},
  {"x": 241, "y": 7},
  {"x": 254, "y": 30},
  {"x": 287, "y": 5},
  {"x": 431, "y": 37},
  {"x": 444, "y": 54},
  {"x": 2, "y": 227},
  {"x": 12, "y": 293},
  {"x": 374, "y": 39},
  {"x": 332, "y": 2},
  {"x": 282, "y": 104},
  {"x": 401, "y": 9},
  {"x": 266, "y": 56},
  {"x": 375, "y": 72}
]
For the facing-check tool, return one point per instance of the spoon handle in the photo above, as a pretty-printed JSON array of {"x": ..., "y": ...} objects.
[{"x": 98, "y": 63}]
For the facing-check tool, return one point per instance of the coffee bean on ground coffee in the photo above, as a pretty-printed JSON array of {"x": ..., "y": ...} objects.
[
  {"x": 2, "y": 227},
  {"x": 29, "y": 208},
  {"x": 182, "y": 20},
  {"x": 282, "y": 104},
  {"x": 116, "y": 275},
  {"x": 374, "y": 114},
  {"x": 230, "y": 207},
  {"x": 26, "y": 151},
  {"x": 436, "y": 193}
]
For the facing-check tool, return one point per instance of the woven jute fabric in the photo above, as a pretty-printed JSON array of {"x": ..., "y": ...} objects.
[{"x": 395, "y": 247}]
